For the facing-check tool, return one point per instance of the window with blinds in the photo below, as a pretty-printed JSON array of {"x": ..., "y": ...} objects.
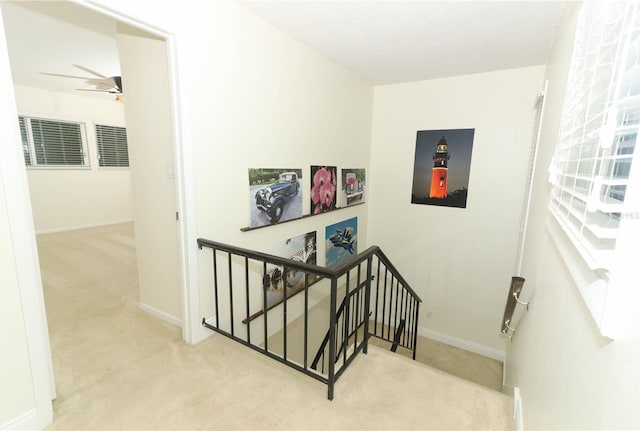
[
  {"x": 25, "y": 141},
  {"x": 590, "y": 169},
  {"x": 52, "y": 142},
  {"x": 112, "y": 146}
]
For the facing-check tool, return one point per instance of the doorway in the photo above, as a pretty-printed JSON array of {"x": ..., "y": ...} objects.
[{"x": 180, "y": 261}]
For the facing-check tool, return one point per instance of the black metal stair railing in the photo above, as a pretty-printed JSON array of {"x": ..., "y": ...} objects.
[
  {"x": 347, "y": 327},
  {"x": 394, "y": 304},
  {"x": 398, "y": 336},
  {"x": 374, "y": 299}
]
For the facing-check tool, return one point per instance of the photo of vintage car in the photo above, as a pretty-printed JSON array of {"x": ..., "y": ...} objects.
[
  {"x": 353, "y": 186},
  {"x": 273, "y": 198}
]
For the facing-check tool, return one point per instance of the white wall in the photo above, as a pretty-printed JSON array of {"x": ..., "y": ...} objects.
[
  {"x": 263, "y": 100},
  {"x": 16, "y": 398},
  {"x": 251, "y": 97},
  {"x": 64, "y": 199},
  {"x": 460, "y": 261},
  {"x": 25, "y": 362},
  {"x": 143, "y": 60},
  {"x": 569, "y": 376}
]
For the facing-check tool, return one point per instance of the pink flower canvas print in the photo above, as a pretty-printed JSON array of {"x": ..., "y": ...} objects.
[{"x": 323, "y": 189}]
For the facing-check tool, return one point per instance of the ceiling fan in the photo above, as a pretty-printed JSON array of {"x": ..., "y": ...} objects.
[{"x": 103, "y": 84}]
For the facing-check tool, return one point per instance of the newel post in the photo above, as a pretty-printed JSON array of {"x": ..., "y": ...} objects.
[
  {"x": 332, "y": 336},
  {"x": 367, "y": 305}
]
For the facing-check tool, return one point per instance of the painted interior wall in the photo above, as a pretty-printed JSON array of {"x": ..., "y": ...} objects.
[
  {"x": 26, "y": 371},
  {"x": 143, "y": 60},
  {"x": 65, "y": 199},
  {"x": 274, "y": 103},
  {"x": 256, "y": 98},
  {"x": 570, "y": 377},
  {"x": 16, "y": 397},
  {"x": 460, "y": 261},
  {"x": 252, "y": 97}
]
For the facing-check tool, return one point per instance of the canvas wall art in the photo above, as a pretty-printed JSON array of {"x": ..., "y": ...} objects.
[
  {"x": 324, "y": 185},
  {"x": 353, "y": 186},
  {"x": 341, "y": 242},
  {"x": 301, "y": 248},
  {"x": 275, "y": 195},
  {"x": 441, "y": 167}
]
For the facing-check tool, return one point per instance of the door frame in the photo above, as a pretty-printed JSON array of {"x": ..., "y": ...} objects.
[
  {"x": 22, "y": 229},
  {"x": 192, "y": 331},
  {"x": 25, "y": 254}
]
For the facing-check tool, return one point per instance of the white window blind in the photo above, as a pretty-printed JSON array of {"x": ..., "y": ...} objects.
[
  {"x": 112, "y": 146},
  {"x": 590, "y": 169},
  {"x": 25, "y": 141},
  {"x": 52, "y": 142}
]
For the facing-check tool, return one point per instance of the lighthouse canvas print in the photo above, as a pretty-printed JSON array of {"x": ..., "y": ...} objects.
[{"x": 441, "y": 167}]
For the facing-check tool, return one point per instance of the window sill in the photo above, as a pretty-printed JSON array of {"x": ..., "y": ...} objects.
[
  {"x": 59, "y": 168},
  {"x": 592, "y": 286}
]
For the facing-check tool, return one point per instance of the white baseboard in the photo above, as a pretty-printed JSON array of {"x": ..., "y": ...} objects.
[
  {"x": 460, "y": 343},
  {"x": 28, "y": 420},
  {"x": 86, "y": 226},
  {"x": 517, "y": 410},
  {"x": 504, "y": 372},
  {"x": 161, "y": 314}
]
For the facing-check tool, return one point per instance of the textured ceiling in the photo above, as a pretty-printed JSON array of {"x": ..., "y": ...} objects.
[
  {"x": 396, "y": 41},
  {"x": 382, "y": 41}
]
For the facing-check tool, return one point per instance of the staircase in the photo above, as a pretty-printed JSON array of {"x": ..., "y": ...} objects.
[
  {"x": 375, "y": 300},
  {"x": 444, "y": 401}
]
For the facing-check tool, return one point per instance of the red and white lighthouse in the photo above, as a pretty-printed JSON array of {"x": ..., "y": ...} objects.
[{"x": 440, "y": 173}]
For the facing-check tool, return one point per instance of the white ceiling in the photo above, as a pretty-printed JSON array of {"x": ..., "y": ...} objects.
[
  {"x": 397, "y": 41},
  {"x": 382, "y": 41}
]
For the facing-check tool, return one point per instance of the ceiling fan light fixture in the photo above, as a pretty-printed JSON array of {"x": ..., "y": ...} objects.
[{"x": 102, "y": 83}]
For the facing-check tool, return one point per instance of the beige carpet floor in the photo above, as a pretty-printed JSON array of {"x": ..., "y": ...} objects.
[
  {"x": 458, "y": 362},
  {"x": 117, "y": 367}
]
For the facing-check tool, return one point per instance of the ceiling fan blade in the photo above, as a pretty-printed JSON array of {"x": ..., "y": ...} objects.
[
  {"x": 112, "y": 87},
  {"x": 114, "y": 82},
  {"x": 64, "y": 76},
  {"x": 99, "y": 91},
  {"x": 93, "y": 72},
  {"x": 118, "y": 81}
]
